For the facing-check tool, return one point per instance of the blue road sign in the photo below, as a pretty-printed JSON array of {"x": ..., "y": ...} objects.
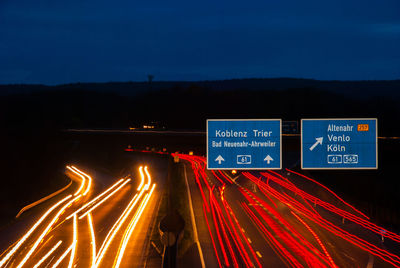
[
  {"x": 339, "y": 144},
  {"x": 244, "y": 144}
]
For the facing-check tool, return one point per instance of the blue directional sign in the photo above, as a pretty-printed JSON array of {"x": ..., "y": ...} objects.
[
  {"x": 244, "y": 144},
  {"x": 339, "y": 144}
]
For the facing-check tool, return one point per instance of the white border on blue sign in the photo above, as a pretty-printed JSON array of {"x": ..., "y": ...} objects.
[
  {"x": 280, "y": 143},
  {"x": 339, "y": 168}
]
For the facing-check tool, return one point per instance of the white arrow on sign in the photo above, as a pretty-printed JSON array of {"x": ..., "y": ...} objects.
[
  {"x": 318, "y": 141},
  {"x": 219, "y": 159},
  {"x": 268, "y": 159}
]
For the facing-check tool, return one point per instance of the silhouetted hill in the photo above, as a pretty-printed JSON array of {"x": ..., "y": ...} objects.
[
  {"x": 355, "y": 89},
  {"x": 186, "y": 107}
]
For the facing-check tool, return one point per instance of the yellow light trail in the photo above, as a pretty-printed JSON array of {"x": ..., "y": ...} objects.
[
  {"x": 132, "y": 225},
  {"x": 96, "y": 257},
  {"x": 147, "y": 186},
  {"x": 74, "y": 242},
  {"x": 104, "y": 199},
  {"x": 33, "y": 248},
  {"x": 62, "y": 257},
  {"x": 43, "y": 199},
  {"x": 111, "y": 234},
  {"x": 82, "y": 183},
  {"x": 48, "y": 254},
  {"x": 27, "y": 234},
  {"x": 87, "y": 176},
  {"x": 96, "y": 198},
  {"x": 93, "y": 237},
  {"x": 142, "y": 177}
]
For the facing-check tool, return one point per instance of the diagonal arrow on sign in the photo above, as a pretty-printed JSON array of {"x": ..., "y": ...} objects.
[{"x": 318, "y": 141}]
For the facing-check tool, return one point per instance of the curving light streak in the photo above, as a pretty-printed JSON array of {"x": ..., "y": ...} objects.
[
  {"x": 147, "y": 186},
  {"x": 316, "y": 238},
  {"x": 212, "y": 238},
  {"x": 48, "y": 254},
  {"x": 232, "y": 231},
  {"x": 364, "y": 223},
  {"x": 303, "y": 207},
  {"x": 111, "y": 234},
  {"x": 217, "y": 219},
  {"x": 229, "y": 212},
  {"x": 282, "y": 250},
  {"x": 329, "y": 190},
  {"x": 93, "y": 237},
  {"x": 74, "y": 242},
  {"x": 216, "y": 225},
  {"x": 225, "y": 227},
  {"x": 142, "y": 177},
  {"x": 295, "y": 241},
  {"x": 316, "y": 218},
  {"x": 23, "y": 239},
  {"x": 210, "y": 207},
  {"x": 216, "y": 176},
  {"x": 142, "y": 197},
  {"x": 33, "y": 248},
  {"x": 62, "y": 257},
  {"x": 226, "y": 177},
  {"x": 96, "y": 198},
  {"x": 82, "y": 183},
  {"x": 104, "y": 199},
  {"x": 131, "y": 227},
  {"x": 199, "y": 173},
  {"x": 43, "y": 199},
  {"x": 87, "y": 176}
]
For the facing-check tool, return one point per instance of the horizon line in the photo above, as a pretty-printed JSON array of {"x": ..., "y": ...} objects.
[{"x": 199, "y": 81}]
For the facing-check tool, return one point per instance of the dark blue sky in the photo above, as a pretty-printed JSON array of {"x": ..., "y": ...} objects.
[{"x": 55, "y": 42}]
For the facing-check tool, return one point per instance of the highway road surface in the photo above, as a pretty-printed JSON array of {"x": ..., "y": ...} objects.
[
  {"x": 248, "y": 219},
  {"x": 90, "y": 224},
  {"x": 280, "y": 219}
]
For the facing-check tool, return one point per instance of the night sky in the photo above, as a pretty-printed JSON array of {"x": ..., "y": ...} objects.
[{"x": 54, "y": 42}]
